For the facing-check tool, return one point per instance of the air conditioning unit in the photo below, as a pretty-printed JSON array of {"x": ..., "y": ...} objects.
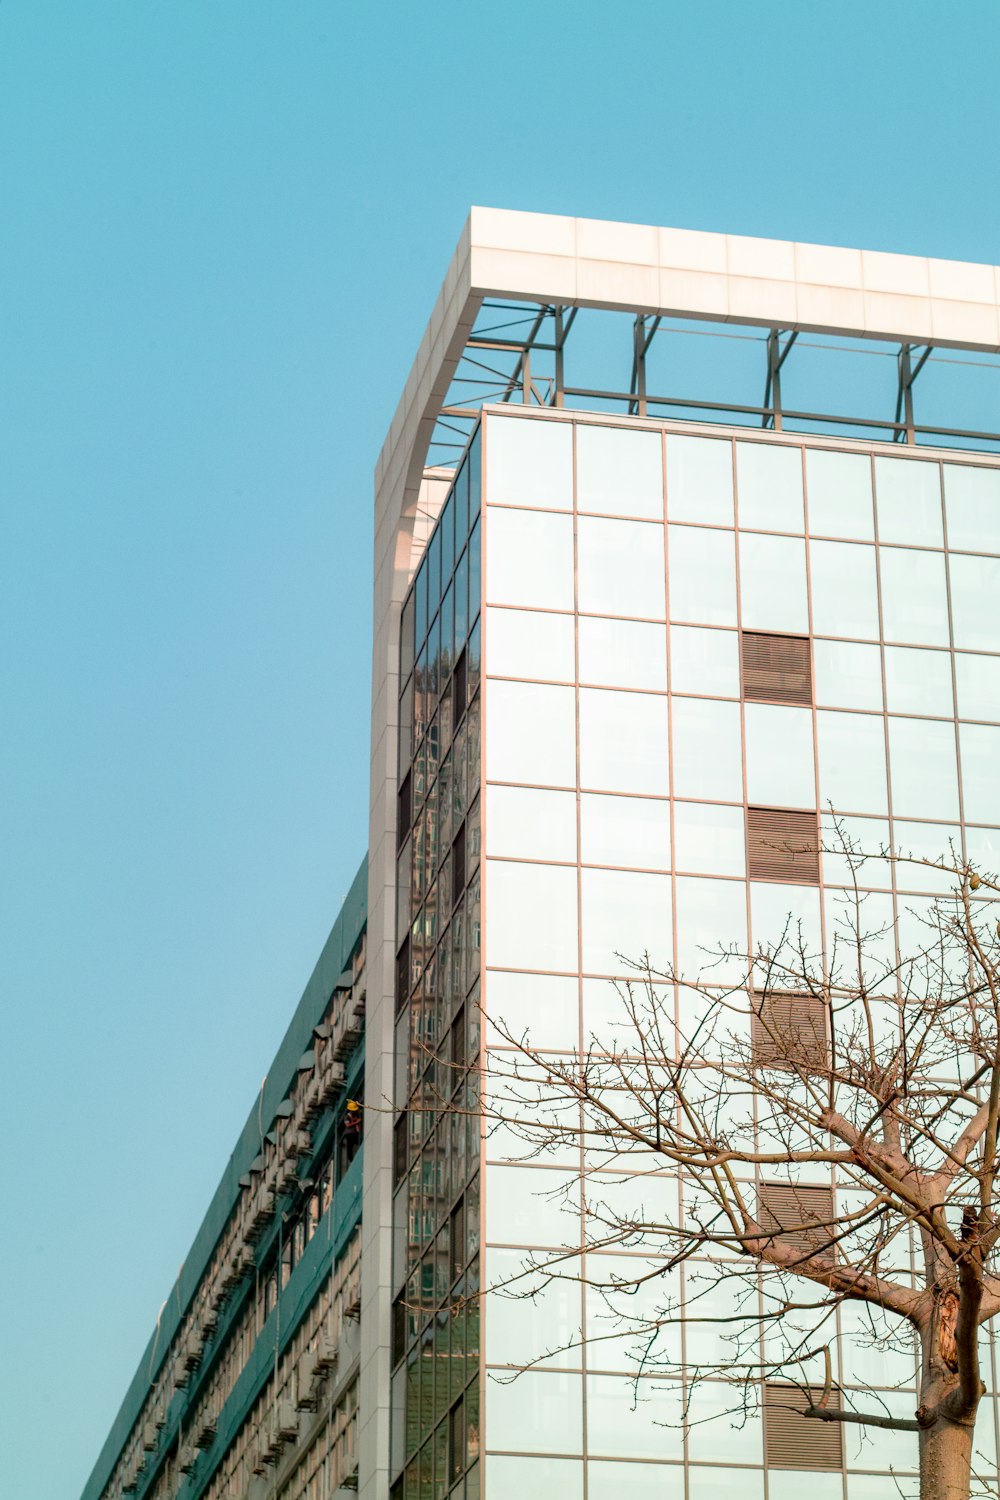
[
  {"x": 333, "y": 1081},
  {"x": 350, "y": 1483},
  {"x": 149, "y": 1437},
  {"x": 191, "y": 1354},
  {"x": 353, "y": 1309},
  {"x": 209, "y": 1323},
  {"x": 187, "y": 1458},
  {"x": 286, "y": 1422},
  {"x": 326, "y": 1354},
  {"x": 205, "y": 1434},
  {"x": 288, "y": 1177},
  {"x": 299, "y": 1143},
  {"x": 261, "y": 1216},
  {"x": 308, "y": 1377},
  {"x": 312, "y": 1100}
]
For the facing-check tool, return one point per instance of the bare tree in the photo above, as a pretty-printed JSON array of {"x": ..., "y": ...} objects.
[{"x": 832, "y": 1127}]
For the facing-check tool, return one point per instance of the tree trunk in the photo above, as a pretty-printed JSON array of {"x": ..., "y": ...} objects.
[{"x": 945, "y": 1461}]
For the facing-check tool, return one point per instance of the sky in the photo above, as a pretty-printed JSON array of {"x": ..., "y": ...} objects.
[{"x": 224, "y": 225}]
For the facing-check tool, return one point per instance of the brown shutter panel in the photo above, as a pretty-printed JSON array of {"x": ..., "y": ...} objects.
[
  {"x": 783, "y": 845},
  {"x": 776, "y": 668},
  {"x": 792, "y": 1441},
  {"x": 799, "y": 1217},
  {"x": 788, "y": 1029}
]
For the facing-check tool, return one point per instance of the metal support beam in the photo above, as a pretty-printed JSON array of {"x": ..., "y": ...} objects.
[
  {"x": 907, "y": 373},
  {"x": 776, "y": 356},
  {"x": 642, "y": 337}
]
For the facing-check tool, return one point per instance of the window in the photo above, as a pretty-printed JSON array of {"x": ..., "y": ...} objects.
[
  {"x": 788, "y": 1029},
  {"x": 776, "y": 668},
  {"x": 793, "y": 1441},
  {"x": 530, "y": 463},
  {"x": 782, "y": 845},
  {"x": 619, "y": 471},
  {"x": 773, "y": 583},
  {"x": 700, "y": 480},
  {"x": 840, "y": 494},
  {"x": 769, "y": 486}
]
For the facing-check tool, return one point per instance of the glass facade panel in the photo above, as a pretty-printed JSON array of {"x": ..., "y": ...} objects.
[
  {"x": 531, "y": 916},
  {"x": 529, "y": 559},
  {"x": 530, "y": 463},
  {"x": 852, "y": 762},
  {"x": 914, "y": 596},
  {"x": 844, "y": 590},
  {"x": 624, "y": 916},
  {"x": 706, "y": 750},
  {"x": 527, "y": 643},
  {"x": 908, "y": 502},
  {"x": 781, "y": 769},
  {"x": 540, "y": 1412},
  {"x": 629, "y": 831},
  {"x": 623, "y": 742},
  {"x": 544, "y": 1007},
  {"x": 980, "y": 748},
  {"x": 918, "y": 682},
  {"x": 543, "y": 1327},
  {"x": 977, "y": 683},
  {"x": 939, "y": 843},
  {"x": 523, "y": 823},
  {"x": 707, "y": 909},
  {"x": 982, "y": 848},
  {"x": 773, "y": 583},
  {"x": 924, "y": 772},
  {"x": 702, "y": 572},
  {"x": 846, "y": 675},
  {"x": 789, "y": 913},
  {"x": 635, "y": 1423},
  {"x": 975, "y": 588},
  {"x": 608, "y": 1480},
  {"x": 769, "y": 486},
  {"x": 708, "y": 839},
  {"x": 619, "y": 472},
  {"x": 700, "y": 481},
  {"x": 867, "y": 837},
  {"x": 622, "y": 653},
  {"x": 972, "y": 506},
  {"x": 840, "y": 494},
  {"x": 704, "y": 661},
  {"x": 533, "y": 1478},
  {"x": 546, "y": 756},
  {"x": 621, "y": 569}
]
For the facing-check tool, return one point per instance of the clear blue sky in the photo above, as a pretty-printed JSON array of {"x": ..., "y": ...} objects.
[{"x": 224, "y": 225}]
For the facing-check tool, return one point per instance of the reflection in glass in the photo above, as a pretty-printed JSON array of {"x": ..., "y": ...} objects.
[
  {"x": 982, "y": 848},
  {"x": 526, "y": 823},
  {"x": 977, "y": 680},
  {"x": 867, "y": 837},
  {"x": 621, "y": 569},
  {"x": 704, "y": 661},
  {"x": 918, "y": 682},
  {"x": 924, "y": 772},
  {"x": 530, "y": 1206},
  {"x": 623, "y": 742},
  {"x": 700, "y": 480},
  {"x": 972, "y": 505},
  {"x": 545, "y": 1007},
  {"x": 527, "y": 643},
  {"x": 769, "y": 487},
  {"x": 619, "y": 471},
  {"x": 709, "y": 840},
  {"x": 531, "y": 916},
  {"x": 622, "y": 653},
  {"x": 625, "y": 915},
  {"x": 852, "y": 762},
  {"x": 711, "y": 915},
  {"x": 914, "y": 596},
  {"x": 908, "y": 502},
  {"x": 736, "y": 1437},
  {"x": 847, "y": 676},
  {"x": 530, "y": 463},
  {"x": 780, "y": 764},
  {"x": 939, "y": 843},
  {"x": 706, "y": 750},
  {"x": 773, "y": 583},
  {"x": 980, "y": 748},
  {"x": 840, "y": 494},
  {"x": 786, "y": 911},
  {"x": 532, "y": 735},
  {"x": 630, "y": 831},
  {"x": 532, "y": 1478},
  {"x": 702, "y": 571},
  {"x": 844, "y": 590},
  {"x": 529, "y": 559},
  {"x": 640, "y": 1423},
  {"x": 523, "y": 1328},
  {"x": 975, "y": 589}
]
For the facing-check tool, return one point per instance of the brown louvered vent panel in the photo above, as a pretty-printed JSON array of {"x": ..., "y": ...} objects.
[
  {"x": 776, "y": 668},
  {"x": 788, "y": 1030},
  {"x": 792, "y": 1441},
  {"x": 798, "y": 1217},
  {"x": 782, "y": 845}
]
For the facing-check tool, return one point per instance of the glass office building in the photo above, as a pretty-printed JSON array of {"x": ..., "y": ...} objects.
[{"x": 633, "y": 652}]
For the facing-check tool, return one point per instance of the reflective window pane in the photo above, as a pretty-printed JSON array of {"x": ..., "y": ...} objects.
[
  {"x": 706, "y": 751},
  {"x": 608, "y": 1480},
  {"x": 525, "y": 1327},
  {"x": 619, "y": 471},
  {"x": 777, "y": 909},
  {"x": 844, "y": 590},
  {"x": 533, "y": 1478},
  {"x": 643, "y": 1422},
  {"x": 526, "y": 643},
  {"x": 621, "y": 567},
  {"x": 531, "y": 733},
  {"x": 843, "y": 839},
  {"x": 700, "y": 480},
  {"x": 972, "y": 506},
  {"x": 924, "y": 771},
  {"x": 530, "y": 462},
  {"x": 977, "y": 680},
  {"x": 711, "y": 915},
  {"x": 543, "y": 1007},
  {"x": 531, "y": 916},
  {"x": 629, "y": 831},
  {"x": 623, "y": 742},
  {"x": 625, "y": 915},
  {"x": 769, "y": 486},
  {"x": 852, "y": 762},
  {"x": 840, "y": 494},
  {"x": 529, "y": 559},
  {"x": 975, "y": 589},
  {"x": 847, "y": 676},
  {"x": 914, "y": 596},
  {"x": 982, "y": 848},
  {"x": 709, "y": 840},
  {"x": 702, "y": 571},
  {"x": 525, "y": 823},
  {"x": 780, "y": 764},
  {"x": 980, "y": 747},
  {"x": 525, "y": 1206},
  {"x": 704, "y": 661},
  {"x": 622, "y": 653},
  {"x": 908, "y": 502},
  {"x": 916, "y": 842},
  {"x": 918, "y": 682},
  {"x": 773, "y": 583}
]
